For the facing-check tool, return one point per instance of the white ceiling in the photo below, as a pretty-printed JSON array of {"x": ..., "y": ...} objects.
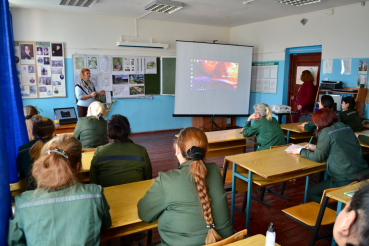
[{"x": 226, "y": 13}]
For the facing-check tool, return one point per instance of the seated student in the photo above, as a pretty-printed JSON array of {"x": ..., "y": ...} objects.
[
  {"x": 121, "y": 161},
  {"x": 349, "y": 116},
  {"x": 338, "y": 146},
  {"x": 351, "y": 226},
  {"x": 266, "y": 128},
  {"x": 29, "y": 111},
  {"x": 43, "y": 130},
  {"x": 326, "y": 101},
  {"x": 180, "y": 198},
  {"x": 62, "y": 211},
  {"x": 91, "y": 130}
]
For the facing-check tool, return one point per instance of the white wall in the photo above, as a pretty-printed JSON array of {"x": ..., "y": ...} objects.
[
  {"x": 98, "y": 34},
  {"x": 342, "y": 35}
]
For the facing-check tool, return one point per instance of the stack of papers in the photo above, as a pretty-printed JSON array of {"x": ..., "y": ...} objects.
[
  {"x": 293, "y": 146},
  {"x": 350, "y": 193}
]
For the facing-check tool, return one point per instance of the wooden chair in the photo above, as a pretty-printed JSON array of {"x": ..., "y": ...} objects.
[
  {"x": 235, "y": 237},
  {"x": 88, "y": 150},
  {"x": 18, "y": 188},
  {"x": 313, "y": 215}
]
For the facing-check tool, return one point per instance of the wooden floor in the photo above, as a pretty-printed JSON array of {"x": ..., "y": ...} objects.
[{"x": 159, "y": 146}]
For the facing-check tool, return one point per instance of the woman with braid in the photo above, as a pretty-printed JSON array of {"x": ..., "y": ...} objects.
[
  {"x": 43, "y": 131},
  {"x": 190, "y": 202},
  {"x": 29, "y": 111}
]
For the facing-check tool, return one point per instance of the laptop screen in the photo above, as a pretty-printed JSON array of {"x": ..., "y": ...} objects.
[{"x": 68, "y": 114}]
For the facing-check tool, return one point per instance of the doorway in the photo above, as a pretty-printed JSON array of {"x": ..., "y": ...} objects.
[{"x": 299, "y": 63}]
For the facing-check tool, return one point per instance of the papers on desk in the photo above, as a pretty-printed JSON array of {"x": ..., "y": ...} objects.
[
  {"x": 293, "y": 146},
  {"x": 350, "y": 193}
]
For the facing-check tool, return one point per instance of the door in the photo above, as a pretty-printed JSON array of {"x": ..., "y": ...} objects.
[{"x": 299, "y": 63}]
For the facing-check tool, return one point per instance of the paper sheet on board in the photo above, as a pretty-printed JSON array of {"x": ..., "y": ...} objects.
[
  {"x": 327, "y": 65},
  {"x": 346, "y": 66}
]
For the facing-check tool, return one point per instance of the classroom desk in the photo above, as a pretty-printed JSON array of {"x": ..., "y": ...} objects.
[
  {"x": 295, "y": 132},
  {"x": 67, "y": 128},
  {"x": 123, "y": 200},
  {"x": 257, "y": 240},
  {"x": 263, "y": 168}
]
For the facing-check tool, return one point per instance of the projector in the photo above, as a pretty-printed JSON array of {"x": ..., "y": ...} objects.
[{"x": 281, "y": 109}]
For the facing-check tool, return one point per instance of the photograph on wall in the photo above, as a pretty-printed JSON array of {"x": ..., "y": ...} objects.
[
  {"x": 136, "y": 79},
  {"x": 39, "y": 51},
  {"x": 28, "y": 70},
  {"x": 59, "y": 91},
  {"x": 300, "y": 69},
  {"x": 40, "y": 61},
  {"x": 44, "y": 81},
  {"x": 44, "y": 71},
  {"x": 120, "y": 79},
  {"x": 92, "y": 64},
  {"x": 29, "y": 80},
  {"x": 117, "y": 64},
  {"x": 46, "y": 61},
  {"x": 120, "y": 91},
  {"x": 79, "y": 63},
  {"x": 56, "y": 49},
  {"x": 105, "y": 82},
  {"x": 129, "y": 65},
  {"x": 57, "y": 63},
  {"x": 33, "y": 91},
  {"x": 105, "y": 64},
  {"x": 136, "y": 91},
  {"x": 45, "y": 90},
  {"x": 46, "y": 51},
  {"x": 27, "y": 55},
  {"x": 362, "y": 80},
  {"x": 363, "y": 66},
  {"x": 57, "y": 80},
  {"x": 25, "y": 91},
  {"x": 57, "y": 70},
  {"x": 150, "y": 65}
]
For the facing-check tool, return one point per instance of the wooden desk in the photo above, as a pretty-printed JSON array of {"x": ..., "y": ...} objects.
[
  {"x": 270, "y": 166},
  {"x": 86, "y": 161},
  {"x": 295, "y": 132},
  {"x": 67, "y": 128},
  {"x": 366, "y": 126},
  {"x": 123, "y": 200},
  {"x": 257, "y": 240}
]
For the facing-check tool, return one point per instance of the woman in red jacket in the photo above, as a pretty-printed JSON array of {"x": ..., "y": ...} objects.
[{"x": 305, "y": 95}]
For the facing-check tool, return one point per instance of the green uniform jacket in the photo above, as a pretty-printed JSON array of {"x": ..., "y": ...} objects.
[
  {"x": 364, "y": 139},
  {"x": 352, "y": 119},
  {"x": 120, "y": 163},
  {"x": 24, "y": 163},
  {"x": 91, "y": 132},
  {"x": 339, "y": 146},
  {"x": 268, "y": 133},
  {"x": 174, "y": 201},
  {"x": 65, "y": 217},
  {"x": 310, "y": 127}
]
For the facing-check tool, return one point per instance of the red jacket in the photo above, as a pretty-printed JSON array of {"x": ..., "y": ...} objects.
[{"x": 305, "y": 94}]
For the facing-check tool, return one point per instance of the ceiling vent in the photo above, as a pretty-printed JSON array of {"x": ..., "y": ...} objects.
[
  {"x": 128, "y": 44},
  {"x": 298, "y": 2},
  {"x": 78, "y": 3},
  {"x": 164, "y": 6}
]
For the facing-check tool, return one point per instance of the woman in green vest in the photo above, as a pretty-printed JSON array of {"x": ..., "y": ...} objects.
[
  {"x": 190, "y": 202},
  {"x": 62, "y": 211},
  {"x": 92, "y": 130},
  {"x": 266, "y": 128},
  {"x": 349, "y": 116}
]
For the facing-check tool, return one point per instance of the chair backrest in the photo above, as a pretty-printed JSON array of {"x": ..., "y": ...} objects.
[
  {"x": 305, "y": 117},
  {"x": 235, "y": 237},
  {"x": 330, "y": 200},
  {"x": 89, "y": 150},
  {"x": 274, "y": 147}
]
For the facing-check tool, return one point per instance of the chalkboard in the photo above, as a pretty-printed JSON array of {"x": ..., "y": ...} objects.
[
  {"x": 168, "y": 75},
  {"x": 152, "y": 81}
]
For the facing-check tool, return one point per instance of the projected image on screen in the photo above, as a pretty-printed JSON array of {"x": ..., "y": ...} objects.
[{"x": 213, "y": 75}]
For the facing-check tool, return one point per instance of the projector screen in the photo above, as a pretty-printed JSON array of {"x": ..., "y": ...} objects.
[{"x": 212, "y": 79}]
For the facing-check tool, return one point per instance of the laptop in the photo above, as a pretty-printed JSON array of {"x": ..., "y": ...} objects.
[{"x": 66, "y": 115}]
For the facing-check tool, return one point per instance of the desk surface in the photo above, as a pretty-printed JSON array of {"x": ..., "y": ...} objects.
[
  {"x": 273, "y": 162},
  {"x": 257, "y": 240},
  {"x": 86, "y": 161},
  {"x": 339, "y": 194},
  {"x": 293, "y": 127},
  {"x": 225, "y": 135}
]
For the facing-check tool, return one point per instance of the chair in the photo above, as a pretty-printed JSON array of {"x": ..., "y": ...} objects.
[
  {"x": 313, "y": 215},
  {"x": 88, "y": 150},
  {"x": 305, "y": 117},
  {"x": 235, "y": 237}
]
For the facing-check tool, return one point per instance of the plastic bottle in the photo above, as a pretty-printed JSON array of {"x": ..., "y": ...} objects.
[
  {"x": 270, "y": 236},
  {"x": 56, "y": 120}
]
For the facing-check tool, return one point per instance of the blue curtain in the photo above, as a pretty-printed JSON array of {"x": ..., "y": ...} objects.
[{"x": 13, "y": 131}]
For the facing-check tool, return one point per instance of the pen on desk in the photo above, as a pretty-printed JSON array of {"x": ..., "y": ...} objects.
[{"x": 309, "y": 141}]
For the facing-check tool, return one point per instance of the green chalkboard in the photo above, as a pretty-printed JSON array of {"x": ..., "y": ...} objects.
[
  {"x": 152, "y": 81},
  {"x": 168, "y": 75}
]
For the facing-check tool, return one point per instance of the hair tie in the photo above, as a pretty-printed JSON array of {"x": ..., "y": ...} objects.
[
  {"x": 58, "y": 151},
  {"x": 99, "y": 115},
  {"x": 39, "y": 138},
  {"x": 212, "y": 226},
  {"x": 28, "y": 117},
  {"x": 195, "y": 153},
  {"x": 117, "y": 124}
]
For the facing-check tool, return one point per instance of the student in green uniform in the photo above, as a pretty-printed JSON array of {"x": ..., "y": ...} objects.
[
  {"x": 91, "y": 130},
  {"x": 43, "y": 130},
  {"x": 351, "y": 226},
  {"x": 326, "y": 101},
  {"x": 338, "y": 146},
  {"x": 349, "y": 116},
  {"x": 266, "y": 128},
  {"x": 62, "y": 211},
  {"x": 190, "y": 202},
  {"x": 120, "y": 161}
]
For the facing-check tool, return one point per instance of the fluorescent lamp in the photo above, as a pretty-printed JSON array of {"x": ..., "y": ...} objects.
[
  {"x": 78, "y": 3},
  {"x": 298, "y": 2},
  {"x": 164, "y": 6}
]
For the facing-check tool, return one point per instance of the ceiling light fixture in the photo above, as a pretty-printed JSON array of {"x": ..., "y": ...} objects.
[
  {"x": 298, "y": 2},
  {"x": 78, "y": 3},
  {"x": 248, "y": 1},
  {"x": 164, "y": 6}
]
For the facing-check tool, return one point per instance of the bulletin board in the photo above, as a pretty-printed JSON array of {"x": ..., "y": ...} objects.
[
  {"x": 168, "y": 75},
  {"x": 264, "y": 77},
  {"x": 40, "y": 68}
]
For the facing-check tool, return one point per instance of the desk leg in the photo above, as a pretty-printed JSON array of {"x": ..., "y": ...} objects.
[
  {"x": 288, "y": 136},
  {"x": 249, "y": 191},
  {"x": 325, "y": 176},
  {"x": 306, "y": 188},
  {"x": 233, "y": 192},
  {"x": 280, "y": 119},
  {"x": 225, "y": 167},
  {"x": 339, "y": 208}
]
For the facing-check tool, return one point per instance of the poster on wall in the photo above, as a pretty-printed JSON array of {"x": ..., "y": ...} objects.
[
  {"x": 313, "y": 71},
  {"x": 264, "y": 77},
  {"x": 150, "y": 65},
  {"x": 117, "y": 63},
  {"x": 105, "y": 64},
  {"x": 327, "y": 65},
  {"x": 346, "y": 66},
  {"x": 27, "y": 53},
  {"x": 79, "y": 63},
  {"x": 93, "y": 64}
]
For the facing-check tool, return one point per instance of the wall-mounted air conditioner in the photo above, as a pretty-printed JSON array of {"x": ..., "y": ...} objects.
[{"x": 142, "y": 45}]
